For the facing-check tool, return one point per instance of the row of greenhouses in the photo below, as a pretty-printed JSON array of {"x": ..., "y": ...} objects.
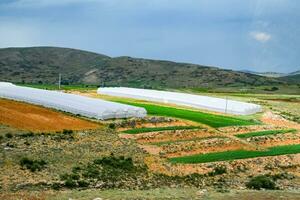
[
  {"x": 76, "y": 104},
  {"x": 184, "y": 99}
]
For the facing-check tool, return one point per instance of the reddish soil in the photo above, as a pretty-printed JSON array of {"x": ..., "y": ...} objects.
[
  {"x": 35, "y": 118},
  {"x": 160, "y": 124},
  {"x": 276, "y": 120},
  {"x": 246, "y": 129},
  {"x": 193, "y": 149},
  {"x": 174, "y": 135},
  {"x": 276, "y": 140}
]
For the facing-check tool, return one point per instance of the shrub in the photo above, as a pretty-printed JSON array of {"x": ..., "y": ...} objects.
[
  {"x": 29, "y": 134},
  {"x": 83, "y": 183},
  {"x": 33, "y": 165},
  {"x": 8, "y": 135},
  {"x": 65, "y": 131},
  {"x": 69, "y": 183},
  {"x": 56, "y": 186},
  {"x": 218, "y": 171},
  {"x": 112, "y": 126},
  {"x": 260, "y": 182},
  {"x": 91, "y": 171},
  {"x": 116, "y": 162}
]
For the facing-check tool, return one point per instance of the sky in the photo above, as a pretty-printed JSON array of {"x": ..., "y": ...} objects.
[{"x": 257, "y": 35}]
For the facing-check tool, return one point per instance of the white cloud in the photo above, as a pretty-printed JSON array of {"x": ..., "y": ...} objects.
[{"x": 261, "y": 36}]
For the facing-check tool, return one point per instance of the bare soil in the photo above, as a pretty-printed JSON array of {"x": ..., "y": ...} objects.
[{"x": 35, "y": 118}]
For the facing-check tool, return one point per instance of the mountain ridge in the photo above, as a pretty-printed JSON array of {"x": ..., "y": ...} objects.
[{"x": 43, "y": 64}]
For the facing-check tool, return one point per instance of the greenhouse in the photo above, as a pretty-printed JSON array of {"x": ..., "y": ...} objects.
[
  {"x": 184, "y": 99},
  {"x": 85, "y": 106}
]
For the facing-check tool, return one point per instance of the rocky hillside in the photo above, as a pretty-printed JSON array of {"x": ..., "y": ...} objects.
[{"x": 43, "y": 64}]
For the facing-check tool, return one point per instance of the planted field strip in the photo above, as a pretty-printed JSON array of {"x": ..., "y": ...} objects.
[
  {"x": 202, "y": 146},
  {"x": 239, "y": 154},
  {"x": 155, "y": 129},
  {"x": 264, "y": 133},
  {"x": 174, "y": 135},
  {"x": 182, "y": 141},
  {"x": 212, "y": 120}
]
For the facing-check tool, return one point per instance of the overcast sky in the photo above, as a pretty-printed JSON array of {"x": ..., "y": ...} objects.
[{"x": 260, "y": 35}]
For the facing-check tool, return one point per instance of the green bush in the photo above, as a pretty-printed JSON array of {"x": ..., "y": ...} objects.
[
  {"x": 91, "y": 171},
  {"x": 261, "y": 182},
  {"x": 83, "y": 183},
  {"x": 65, "y": 131},
  {"x": 218, "y": 171},
  {"x": 113, "y": 162},
  {"x": 69, "y": 183},
  {"x": 33, "y": 165},
  {"x": 29, "y": 134},
  {"x": 112, "y": 126},
  {"x": 8, "y": 135}
]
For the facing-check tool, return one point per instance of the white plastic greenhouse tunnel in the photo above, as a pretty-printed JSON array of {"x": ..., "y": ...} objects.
[
  {"x": 184, "y": 99},
  {"x": 76, "y": 104}
]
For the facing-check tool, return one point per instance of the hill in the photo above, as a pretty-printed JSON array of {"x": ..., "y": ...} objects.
[
  {"x": 294, "y": 78},
  {"x": 266, "y": 74},
  {"x": 43, "y": 64}
]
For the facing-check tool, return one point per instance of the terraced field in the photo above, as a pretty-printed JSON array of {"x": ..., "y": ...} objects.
[
  {"x": 222, "y": 142},
  {"x": 239, "y": 154},
  {"x": 263, "y": 133}
]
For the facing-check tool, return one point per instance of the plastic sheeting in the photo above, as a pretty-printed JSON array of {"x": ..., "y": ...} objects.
[
  {"x": 85, "y": 106},
  {"x": 196, "y": 101}
]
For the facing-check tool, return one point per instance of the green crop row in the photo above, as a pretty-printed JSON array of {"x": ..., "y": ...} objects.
[
  {"x": 209, "y": 119},
  {"x": 263, "y": 133},
  {"x": 238, "y": 154}
]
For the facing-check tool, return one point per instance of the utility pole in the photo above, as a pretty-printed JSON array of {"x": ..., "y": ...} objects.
[{"x": 59, "y": 81}]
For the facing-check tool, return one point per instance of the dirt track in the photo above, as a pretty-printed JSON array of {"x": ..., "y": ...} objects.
[{"x": 35, "y": 118}]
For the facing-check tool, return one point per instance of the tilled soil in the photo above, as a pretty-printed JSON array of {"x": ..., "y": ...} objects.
[{"x": 35, "y": 118}]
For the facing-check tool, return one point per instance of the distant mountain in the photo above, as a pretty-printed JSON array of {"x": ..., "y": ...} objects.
[
  {"x": 294, "y": 73},
  {"x": 266, "y": 74},
  {"x": 272, "y": 74},
  {"x": 43, "y": 64},
  {"x": 293, "y": 78}
]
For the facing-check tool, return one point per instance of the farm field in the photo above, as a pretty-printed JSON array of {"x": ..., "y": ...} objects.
[
  {"x": 262, "y": 133},
  {"x": 174, "y": 147},
  {"x": 240, "y": 154},
  {"x": 35, "y": 118},
  {"x": 154, "y": 129},
  {"x": 213, "y": 120}
]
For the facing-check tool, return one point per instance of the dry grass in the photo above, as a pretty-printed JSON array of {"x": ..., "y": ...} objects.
[{"x": 35, "y": 118}]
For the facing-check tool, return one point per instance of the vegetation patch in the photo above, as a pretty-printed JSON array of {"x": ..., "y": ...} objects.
[
  {"x": 33, "y": 165},
  {"x": 155, "y": 129},
  {"x": 264, "y": 133},
  {"x": 184, "y": 140},
  {"x": 212, "y": 120},
  {"x": 239, "y": 154},
  {"x": 261, "y": 182},
  {"x": 108, "y": 170}
]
